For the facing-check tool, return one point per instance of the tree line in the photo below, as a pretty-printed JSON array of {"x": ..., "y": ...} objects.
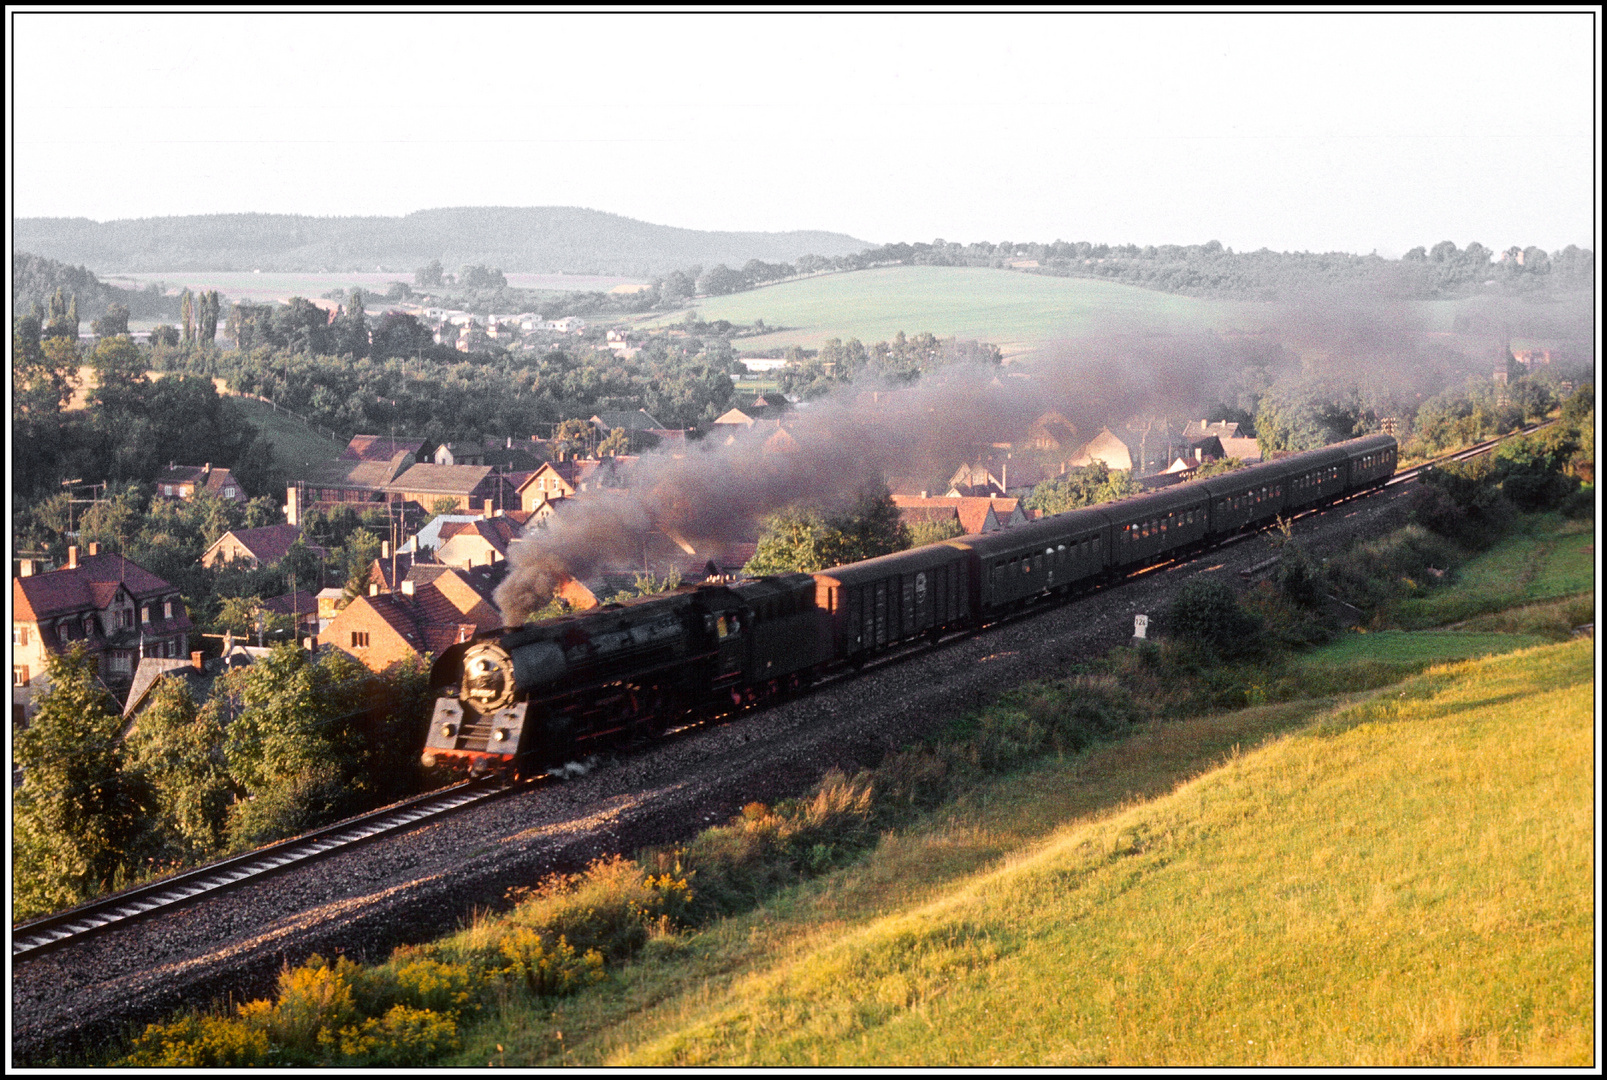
[{"x": 281, "y": 746}]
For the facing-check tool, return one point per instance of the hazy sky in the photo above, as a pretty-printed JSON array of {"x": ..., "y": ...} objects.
[{"x": 1296, "y": 132}]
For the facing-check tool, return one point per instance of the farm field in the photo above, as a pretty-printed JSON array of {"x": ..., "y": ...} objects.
[
  {"x": 1400, "y": 879},
  {"x": 1013, "y": 310},
  {"x": 241, "y": 285}
]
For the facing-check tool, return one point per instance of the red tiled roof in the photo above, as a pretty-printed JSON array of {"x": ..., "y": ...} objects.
[
  {"x": 499, "y": 531},
  {"x": 413, "y": 623},
  {"x": 972, "y": 510},
  {"x": 379, "y": 448},
  {"x": 91, "y": 585},
  {"x": 270, "y": 543}
]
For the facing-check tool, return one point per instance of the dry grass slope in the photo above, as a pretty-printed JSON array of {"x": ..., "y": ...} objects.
[{"x": 1406, "y": 882}]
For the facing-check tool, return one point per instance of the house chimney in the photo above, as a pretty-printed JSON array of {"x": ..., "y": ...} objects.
[
  {"x": 197, "y": 662},
  {"x": 384, "y": 549},
  {"x": 510, "y": 442},
  {"x": 373, "y": 590},
  {"x": 488, "y": 511},
  {"x": 923, "y": 494},
  {"x": 94, "y": 547},
  {"x": 25, "y": 568},
  {"x": 407, "y": 588},
  {"x": 72, "y": 557},
  {"x": 206, "y": 470}
]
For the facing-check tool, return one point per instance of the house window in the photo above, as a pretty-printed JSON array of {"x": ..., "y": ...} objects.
[
  {"x": 359, "y": 639},
  {"x": 145, "y": 614},
  {"x": 19, "y": 674},
  {"x": 61, "y": 632},
  {"x": 19, "y": 634},
  {"x": 167, "y": 609},
  {"x": 167, "y": 489},
  {"x": 228, "y": 492},
  {"x": 118, "y": 662}
]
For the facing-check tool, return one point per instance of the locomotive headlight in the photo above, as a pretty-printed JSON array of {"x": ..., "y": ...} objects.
[
  {"x": 501, "y": 734},
  {"x": 428, "y": 761},
  {"x": 448, "y": 730}
]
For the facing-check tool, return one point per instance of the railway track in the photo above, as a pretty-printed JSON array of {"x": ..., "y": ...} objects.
[
  {"x": 159, "y": 897},
  {"x": 162, "y": 896}
]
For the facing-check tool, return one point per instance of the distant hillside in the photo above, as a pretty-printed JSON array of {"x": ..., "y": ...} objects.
[
  {"x": 34, "y": 278},
  {"x": 547, "y": 239}
]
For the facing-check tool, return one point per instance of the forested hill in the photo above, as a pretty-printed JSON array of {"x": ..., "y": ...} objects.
[{"x": 546, "y": 239}]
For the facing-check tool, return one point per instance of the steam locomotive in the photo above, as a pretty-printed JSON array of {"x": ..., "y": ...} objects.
[{"x": 521, "y": 702}]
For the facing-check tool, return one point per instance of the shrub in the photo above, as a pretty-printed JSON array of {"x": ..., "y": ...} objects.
[
  {"x": 288, "y": 808},
  {"x": 201, "y": 1042},
  {"x": 318, "y": 1019},
  {"x": 1207, "y": 615},
  {"x": 1285, "y": 621},
  {"x": 548, "y": 969},
  {"x": 1399, "y": 564},
  {"x": 614, "y": 906}
]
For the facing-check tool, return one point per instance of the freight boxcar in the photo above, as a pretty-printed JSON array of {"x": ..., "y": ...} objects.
[
  {"x": 788, "y": 639},
  {"x": 878, "y": 603}
]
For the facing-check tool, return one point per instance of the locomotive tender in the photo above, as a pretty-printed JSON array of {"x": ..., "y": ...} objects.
[{"x": 522, "y": 701}]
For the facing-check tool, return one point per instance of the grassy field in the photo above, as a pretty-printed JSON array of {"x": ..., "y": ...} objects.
[
  {"x": 1548, "y": 559},
  {"x": 294, "y": 444},
  {"x": 1404, "y": 882},
  {"x": 1010, "y": 309}
]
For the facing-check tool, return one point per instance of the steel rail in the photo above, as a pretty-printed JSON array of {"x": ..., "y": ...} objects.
[
  {"x": 157, "y": 897},
  {"x": 51, "y": 931}
]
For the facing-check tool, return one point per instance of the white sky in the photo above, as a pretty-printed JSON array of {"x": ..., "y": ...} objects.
[{"x": 1296, "y": 131}]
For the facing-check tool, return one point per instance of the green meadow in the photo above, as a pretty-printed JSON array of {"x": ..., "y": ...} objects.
[
  {"x": 1011, "y": 309},
  {"x": 294, "y": 444}
]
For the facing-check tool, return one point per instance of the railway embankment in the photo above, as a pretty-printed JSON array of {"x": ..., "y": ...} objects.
[{"x": 683, "y": 945}]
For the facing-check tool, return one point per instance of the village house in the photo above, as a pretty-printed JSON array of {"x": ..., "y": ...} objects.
[
  {"x": 1232, "y": 441},
  {"x": 1051, "y": 432},
  {"x": 480, "y": 542},
  {"x": 635, "y": 423},
  {"x": 433, "y": 608},
  {"x": 115, "y": 608},
  {"x": 300, "y": 606},
  {"x": 359, "y": 478},
  {"x": 555, "y": 480},
  {"x": 470, "y": 590},
  {"x": 1106, "y": 448},
  {"x": 385, "y": 628},
  {"x": 732, "y": 418},
  {"x": 185, "y": 481},
  {"x": 458, "y": 453},
  {"x": 468, "y": 485},
  {"x": 256, "y": 547},
  {"x": 975, "y": 514}
]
